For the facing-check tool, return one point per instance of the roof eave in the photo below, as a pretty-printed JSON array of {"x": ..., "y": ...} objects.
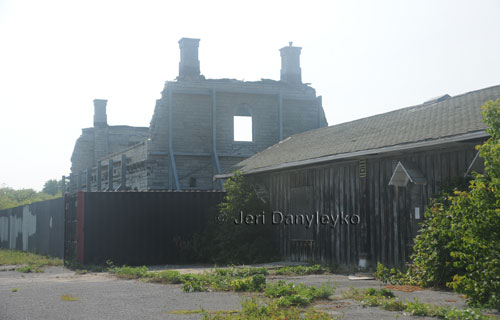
[{"x": 400, "y": 147}]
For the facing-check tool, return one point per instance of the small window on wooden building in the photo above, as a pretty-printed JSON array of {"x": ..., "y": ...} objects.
[
  {"x": 362, "y": 168},
  {"x": 405, "y": 173}
]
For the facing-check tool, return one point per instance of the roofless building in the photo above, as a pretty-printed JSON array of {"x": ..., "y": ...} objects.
[{"x": 200, "y": 127}]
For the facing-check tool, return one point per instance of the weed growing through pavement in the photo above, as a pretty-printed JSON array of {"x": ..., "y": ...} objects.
[
  {"x": 68, "y": 297},
  {"x": 386, "y": 300}
]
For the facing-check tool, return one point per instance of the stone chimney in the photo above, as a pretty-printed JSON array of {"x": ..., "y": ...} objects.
[
  {"x": 100, "y": 117},
  {"x": 290, "y": 64},
  {"x": 189, "y": 67}
]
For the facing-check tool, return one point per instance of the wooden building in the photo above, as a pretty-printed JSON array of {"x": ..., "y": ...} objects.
[{"x": 380, "y": 171}]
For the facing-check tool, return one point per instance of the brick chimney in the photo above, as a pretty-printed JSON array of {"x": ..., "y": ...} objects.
[
  {"x": 290, "y": 64},
  {"x": 189, "y": 67},
  {"x": 100, "y": 117}
]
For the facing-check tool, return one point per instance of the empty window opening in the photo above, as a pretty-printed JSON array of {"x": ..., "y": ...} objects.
[
  {"x": 192, "y": 182},
  {"x": 243, "y": 128}
]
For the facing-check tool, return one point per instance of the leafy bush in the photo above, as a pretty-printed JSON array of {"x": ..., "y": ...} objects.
[{"x": 223, "y": 241}]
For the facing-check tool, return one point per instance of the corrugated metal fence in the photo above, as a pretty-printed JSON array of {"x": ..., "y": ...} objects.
[
  {"x": 36, "y": 227},
  {"x": 134, "y": 228}
]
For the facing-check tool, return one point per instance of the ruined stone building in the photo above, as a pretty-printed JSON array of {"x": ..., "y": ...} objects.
[{"x": 194, "y": 133}]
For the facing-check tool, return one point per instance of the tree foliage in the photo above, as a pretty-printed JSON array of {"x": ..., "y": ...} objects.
[
  {"x": 13, "y": 198},
  {"x": 224, "y": 241},
  {"x": 52, "y": 187},
  {"x": 459, "y": 243}
]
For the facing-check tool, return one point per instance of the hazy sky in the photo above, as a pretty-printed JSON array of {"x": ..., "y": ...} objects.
[{"x": 363, "y": 57}]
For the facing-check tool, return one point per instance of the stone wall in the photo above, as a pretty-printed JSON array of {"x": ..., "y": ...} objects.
[
  {"x": 192, "y": 118},
  {"x": 98, "y": 142}
]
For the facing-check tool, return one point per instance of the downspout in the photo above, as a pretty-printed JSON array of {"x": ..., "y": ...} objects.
[
  {"x": 320, "y": 105},
  {"x": 214, "y": 135},
  {"x": 280, "y": 115},
  {"x": 170, "y": 144}
]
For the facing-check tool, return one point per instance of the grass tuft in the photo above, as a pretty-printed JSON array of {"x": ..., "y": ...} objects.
[
  {"x": 68, "y": 297},
  {"x": 16, "y": 257}
]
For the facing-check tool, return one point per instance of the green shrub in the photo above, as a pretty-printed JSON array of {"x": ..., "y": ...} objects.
[{"x": 458, "y": 245}]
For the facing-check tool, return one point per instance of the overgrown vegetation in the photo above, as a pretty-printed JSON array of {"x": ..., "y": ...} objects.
[
  {"x": 386, "y": 300},
  {"x": 28, "y": 262},
  {"x": 10, "y": 198},
  {"x": 165, "y": 276},
  {"x": 300, "y": 270},
  {"x": 225, "y": 242},
  {"x": 257, "y": 310},
  {"x": 233, "y": 279},
  {"x": 458, "y": 244},
  {"x": 291, "y": 294}
]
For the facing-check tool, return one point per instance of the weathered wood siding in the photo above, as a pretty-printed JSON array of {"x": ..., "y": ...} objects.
[{"x": 387, "y": 224}]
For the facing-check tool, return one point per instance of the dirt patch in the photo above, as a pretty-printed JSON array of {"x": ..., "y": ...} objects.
[{"x": 404, "y": 288}]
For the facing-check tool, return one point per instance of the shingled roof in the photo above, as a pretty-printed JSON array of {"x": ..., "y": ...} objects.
[{"x": 436, "y": 121}]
